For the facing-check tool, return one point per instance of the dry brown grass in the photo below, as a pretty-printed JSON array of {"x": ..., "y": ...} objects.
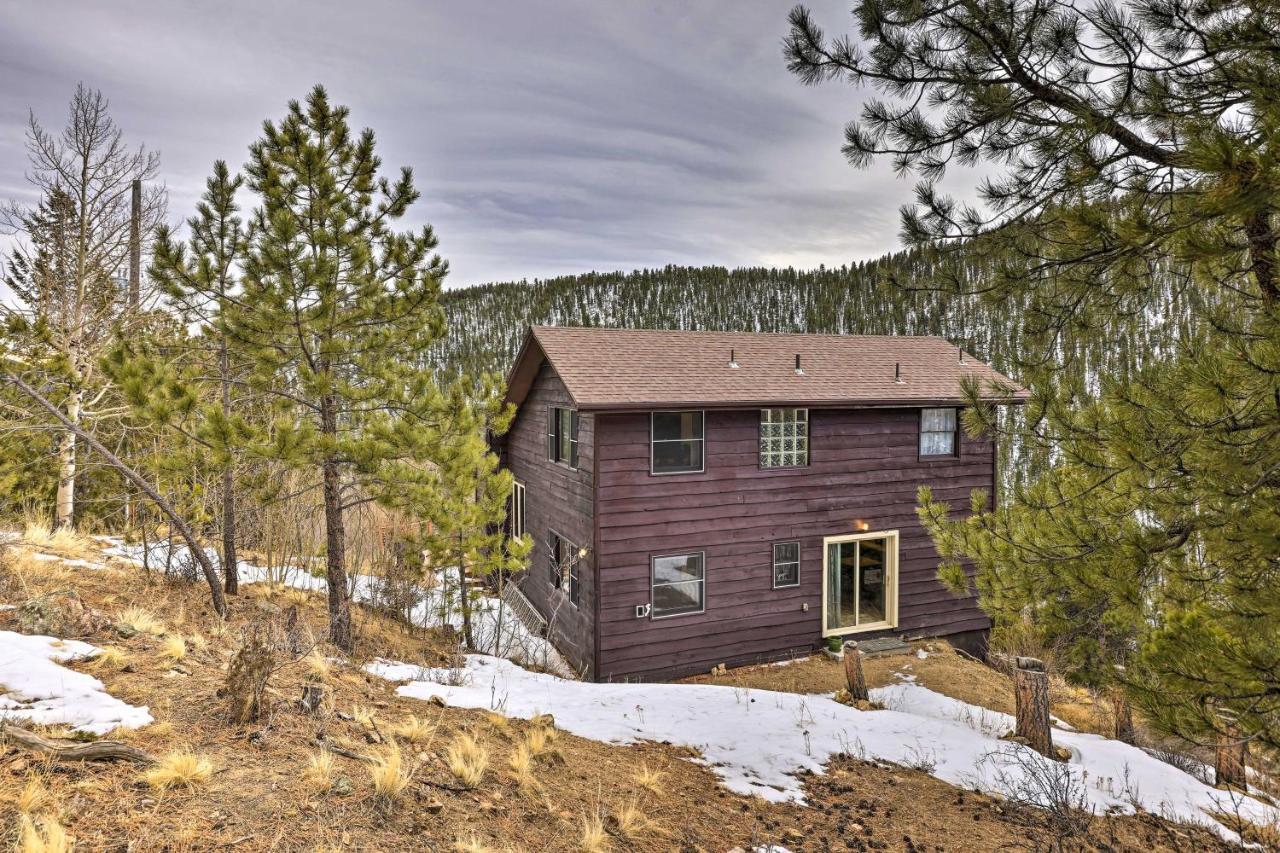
[
  {"x": 415, "y": 730},
  {"x": 44, "y": 836},
  {"x": 467, "y": 759},
  {"x": 318, "y": 774},
  {"x": 181, "y": 768},
  {"x": 141, "y": 620},
  {"x": 539, "y": 738},
  {"x": 109, "y": 658},
  {"x": 38, "y": 533},
  {"x": 34, "y": 797},
  {"x": 649, "y": 779},
  {"x": 318, "y": 666},
  {"x": 521, "y": 763},
  {"x": 471, "y": 844},
  {"x": 497, "y": 722},
  {"x": 593, "y": 837},
  {"x": 633, "y": 823},
  {"x": 364, "y": 716},
  {"x": 173, "y": 647},
  {"x": 389, "y": 775}
]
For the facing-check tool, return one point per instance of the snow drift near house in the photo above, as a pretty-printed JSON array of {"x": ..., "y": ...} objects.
[
  {"x": 494, "y": 625},
  {"x": 758, "y": 740},
  {"x": 34, "y": 687}
]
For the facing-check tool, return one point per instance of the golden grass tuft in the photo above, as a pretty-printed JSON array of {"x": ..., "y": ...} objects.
[
  {"x": 180, "y": 768},
  {"x": 173, "y": 647},
  {"x": 48, "y": 837},
  {"x": 390, "y": 778},
  {"x": 471, "y": 844},
  {"x": 415, "y": 730},
  {"x": 109, "y": 658},
  {"x": 140, "y": 620},
  {"x": 364, "y": 715},
  {"x": 649, "y": 779},
  {"x": 593, "y": 839},
  {"x": 632, "y": 822},
  {"x": 318, "y": 666},
  {"x": 38, "y": 533},
  {"x": 318, "y": 774},
  {"x": 498, "y": 722},
  {"x": 521, "y": 763},
  {"x": 467, "y": 759},
  {"x": 197, "y": 642},
  {"x": 34, "y": 797},
  {"x": 539, "y": 738}
]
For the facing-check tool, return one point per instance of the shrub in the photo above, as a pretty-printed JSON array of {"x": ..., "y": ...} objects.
[
  {"x": 180, "y": 768},
  {"x": 250, "y": 673}
]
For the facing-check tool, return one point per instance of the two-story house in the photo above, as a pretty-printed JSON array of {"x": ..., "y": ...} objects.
[{"x": 697, "y": 498}]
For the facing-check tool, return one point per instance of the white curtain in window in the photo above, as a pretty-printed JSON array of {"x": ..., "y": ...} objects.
[{"x": 937, "y": 432}]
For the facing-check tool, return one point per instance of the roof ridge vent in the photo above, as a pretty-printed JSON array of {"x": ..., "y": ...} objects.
[
  {"x": 733, "y": 359},
  {"x": 799, "y": 371}
]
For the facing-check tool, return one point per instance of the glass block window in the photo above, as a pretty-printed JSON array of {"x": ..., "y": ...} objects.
[{"x": 784, "y": 438}]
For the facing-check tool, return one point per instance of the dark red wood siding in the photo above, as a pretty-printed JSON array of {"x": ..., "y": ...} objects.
[
  {"x": 863, "y": 466},
  {"x": 557, "y": 498}
]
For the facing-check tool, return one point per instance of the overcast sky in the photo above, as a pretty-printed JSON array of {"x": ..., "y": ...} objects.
[{"x": 546, "y": 137}]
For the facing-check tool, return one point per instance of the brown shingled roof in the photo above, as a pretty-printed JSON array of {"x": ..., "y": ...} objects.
[{"x": 639, "y": 368}]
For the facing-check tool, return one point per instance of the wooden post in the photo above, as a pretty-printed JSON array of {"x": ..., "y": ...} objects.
[
  {"x": 135, "y": 247},
  {"x": 1229, "y": 760},
  {"x": 855, "y": 681},
  {"x": 1031, "y": 699}
]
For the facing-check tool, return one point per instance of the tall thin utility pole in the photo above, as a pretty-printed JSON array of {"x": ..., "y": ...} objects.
[{"x": 135, "y": 247}]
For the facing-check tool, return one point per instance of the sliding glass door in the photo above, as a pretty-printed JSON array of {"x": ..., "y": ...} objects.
[{"x": 861, "y": 582}]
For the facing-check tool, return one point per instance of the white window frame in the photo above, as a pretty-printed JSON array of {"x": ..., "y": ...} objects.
[
  {"x": 955, "y": 433},
  {"x": 653, "y": 584},
  {"x": 518, "y": 496},
  {"x": 774, "y": 564},
  {"x": 702, "y": 441},
  {"x": 891, "y": 582},
  {"x": 783, "y": 455}
]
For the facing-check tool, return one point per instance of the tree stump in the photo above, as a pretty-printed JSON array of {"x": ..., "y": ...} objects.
[
  {"x": 1124, "y": 730},
  {"x": 1229, "y": 761},
  {"x": 312, "y": 698},
  {"x": 1031, "y": 700},
  {"x": 855, "y": 681}
]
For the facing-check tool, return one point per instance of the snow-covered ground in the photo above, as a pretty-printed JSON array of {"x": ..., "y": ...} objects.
[
  {"x": 494, "y": 625},
  {"x": 35, "y": 687},
  {"x": 758, "y": 740}
]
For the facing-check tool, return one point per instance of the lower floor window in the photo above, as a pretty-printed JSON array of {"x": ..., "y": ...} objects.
[
  {"x": 861, "y": 584},
  {"x": 679, "y": 585},
  {"x": 786, "y": 564},
  {"x": 565, "y": 558}
]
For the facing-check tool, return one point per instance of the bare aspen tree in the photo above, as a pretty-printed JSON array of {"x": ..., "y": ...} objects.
[{"x": 67, "y": 271}]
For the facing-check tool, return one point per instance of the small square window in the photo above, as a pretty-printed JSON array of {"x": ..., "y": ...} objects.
[
  {"x": 938, "y": 432},
  {"x": 784, "y": 438},
  {"x": 786, "y": 564},
  {"x": 676, "y": 442}
]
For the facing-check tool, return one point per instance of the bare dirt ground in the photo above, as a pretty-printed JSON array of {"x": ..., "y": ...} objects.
[{"x": 258, "y": 795}]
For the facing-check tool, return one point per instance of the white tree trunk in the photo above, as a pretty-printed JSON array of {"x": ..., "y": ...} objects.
[{"x": 66, "y": 502}]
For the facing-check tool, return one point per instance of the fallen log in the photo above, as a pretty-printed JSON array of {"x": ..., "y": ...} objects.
[{"x": 98, "y": 750}]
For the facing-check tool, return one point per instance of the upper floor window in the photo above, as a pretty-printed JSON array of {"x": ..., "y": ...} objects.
[
  {"x": 938, "y": 436},
  {"x": 562, "y": 436},
  {"x": 676, "y": 444},
  {"x": 784, "y": 438}
]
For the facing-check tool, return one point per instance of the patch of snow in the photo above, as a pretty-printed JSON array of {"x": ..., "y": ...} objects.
[
  {"x": 494, "y": 625},
  {"x": 922, "y": 654},
  {"x": 33, "y": 686},
  {"x": 757, "y": 741}
]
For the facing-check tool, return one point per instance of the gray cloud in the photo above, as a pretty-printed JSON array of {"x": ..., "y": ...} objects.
[{"x": 546, "y": 137}]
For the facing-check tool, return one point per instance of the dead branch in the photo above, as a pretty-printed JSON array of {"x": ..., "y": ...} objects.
[{"x": 100, "y": 750}]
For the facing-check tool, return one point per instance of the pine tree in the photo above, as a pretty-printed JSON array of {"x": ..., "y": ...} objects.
[
  {"x": 1132, "y": 150},
  {"x": 201, "y": 280},
  {"x": 336, "y": 313}
]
